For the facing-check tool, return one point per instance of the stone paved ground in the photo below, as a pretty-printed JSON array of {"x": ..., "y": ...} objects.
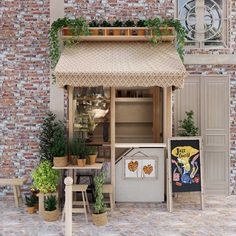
[{"x": 218, "y": 219}]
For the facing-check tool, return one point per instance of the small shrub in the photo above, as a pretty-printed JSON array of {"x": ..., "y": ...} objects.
[{"x": 50, "y": 203}]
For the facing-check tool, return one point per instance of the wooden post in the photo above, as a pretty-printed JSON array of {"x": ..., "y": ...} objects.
[
  {"x": 113, "y": 151},
  {"x": 68, "y": 206},
  {"x": 202, "y": 177},
  {"x": 70, "y": 112},
  {"x": 156, "y": 110},
  {"x": 169, "y": 181}
]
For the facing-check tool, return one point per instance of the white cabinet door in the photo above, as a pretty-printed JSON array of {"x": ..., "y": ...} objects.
[{"x": 208, "y": 97}]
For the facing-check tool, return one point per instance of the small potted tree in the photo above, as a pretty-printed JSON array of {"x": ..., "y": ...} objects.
[
  {"x": 45, "y": 179},
  {"x": 92, "y": 151},
  {"x": 99, "y": 217},
  {"x": 30, "y": 202},
  {"x": 59, "y": 146},
  {"x": 51, "y": 212}
]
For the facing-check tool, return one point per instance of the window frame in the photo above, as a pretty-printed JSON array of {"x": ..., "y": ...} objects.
[{"x": 226, "y": 23}]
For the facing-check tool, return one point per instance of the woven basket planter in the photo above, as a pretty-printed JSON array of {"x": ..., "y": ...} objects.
[
  {"x": 100, "y": 219},
  {"x": 60, "y": 161},
  {"x": 51, "y": 215}
]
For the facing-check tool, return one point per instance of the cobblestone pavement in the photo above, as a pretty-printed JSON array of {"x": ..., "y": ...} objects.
[{"x": 218, "y": 219}]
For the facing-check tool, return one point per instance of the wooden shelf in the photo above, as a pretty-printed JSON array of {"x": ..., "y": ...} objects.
[
  {"x": 120, "y": 99},
  {"x": 142, "y": 34}
]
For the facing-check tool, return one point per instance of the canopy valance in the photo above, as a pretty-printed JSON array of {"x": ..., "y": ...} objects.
[{"x": 119, "y": 64}]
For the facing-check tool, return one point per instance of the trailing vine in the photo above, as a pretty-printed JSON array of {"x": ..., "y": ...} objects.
[{"x": 79, "y": 27}]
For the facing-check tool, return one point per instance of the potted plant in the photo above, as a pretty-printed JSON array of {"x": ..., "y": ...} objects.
[
  {"x": 107, "y": 24},
  {"x": 51, "y": 212},
  {"x": 130, "y": 23},
  {"x": 30, "y": 202},
  {"x": 74, "y": 150},
  {"x": 117, "y": 23},
  {"x": 187, "y": 126},
  {"x": 99, "y": 217},
  {"x": 141, "y": 23},
  {"x": 59, "y": 146},
  {"x": 94, "y": 24},
  {"x": 83, "y": 153},
  {"x": 45, "y": 179},
  {"x": 92, "y": 151}
]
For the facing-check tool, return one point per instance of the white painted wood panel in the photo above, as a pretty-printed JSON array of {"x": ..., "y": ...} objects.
[{"x": 208, "y": 97}]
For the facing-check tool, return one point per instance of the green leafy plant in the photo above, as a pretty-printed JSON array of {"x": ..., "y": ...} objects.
[
  {"x": 129, "y": 23},
  {"x": 83, "y": 150},
  {"x": 78, "y": 27},
  {"x": 117, "y": 23},
  {"x": 50, "y": 203},
  {"x": 141, "y": 23},
  {"x": 94, "y": 23},
  {"x": 99, "y": 206},
  {"x": 105, "y": 24},
  {"x": 187, "y": 126},
  {"x": 92, "y": 150},
  {"x": 31, "y": 200},
  {"x": 75, "y": 147},
  {"x": 45, "y": 179},
  {"x": 52, "y": 139},
  {"x": 59, "y": 145}
]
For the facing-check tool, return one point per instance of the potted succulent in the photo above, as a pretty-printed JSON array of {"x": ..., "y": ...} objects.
[
  {"x": 51, "y": 212},
  {"x": 45, "y": 179},
  {"x": 130, "y": 23},
  {"x": 99, "y": 217},
  {"x": 107, "y": 24},
  {"x": 30, "y": 202},
  {"x": 92, "y": 151},
  {"x": 59, "y": 146}
]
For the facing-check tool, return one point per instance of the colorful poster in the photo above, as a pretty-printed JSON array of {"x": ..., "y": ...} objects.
[{"x": 185, "y": 165}]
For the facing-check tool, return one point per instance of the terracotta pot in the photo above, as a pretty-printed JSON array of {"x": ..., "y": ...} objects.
[
  {"x": 92, "y": 159},
  {"x": 36, "y": 207},
  {"x": 141, "y": 32},
  {"x": 31, "y": 210},
  {"x": 60, "y": 161},
  {"x": 94, "y": 32},
  {"x": 116, "y": 32},
  {"x": 51, "y": 215},
  {"x": 100, "y": 219},
  {"x": 124, "y": 32},
  {"x": 66, "y": 31},
  {"x": 81, "y": 162}
]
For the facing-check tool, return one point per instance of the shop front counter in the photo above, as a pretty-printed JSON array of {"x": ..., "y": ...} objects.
[{"x": 140, "y": 172}]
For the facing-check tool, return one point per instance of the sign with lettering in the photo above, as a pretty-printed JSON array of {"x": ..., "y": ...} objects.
[{"x": 185, "y": 165}]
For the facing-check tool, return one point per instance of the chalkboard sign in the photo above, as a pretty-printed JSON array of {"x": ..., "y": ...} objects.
[{"x": 185, "y": 165}]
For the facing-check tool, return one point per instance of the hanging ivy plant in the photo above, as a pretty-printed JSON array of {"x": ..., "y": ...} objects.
[{"x": 79, "y": 27}]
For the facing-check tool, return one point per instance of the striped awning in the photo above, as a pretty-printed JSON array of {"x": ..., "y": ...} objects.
[{"x": 120, "y": 64}]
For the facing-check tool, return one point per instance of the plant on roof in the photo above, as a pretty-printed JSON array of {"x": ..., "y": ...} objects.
[
  {"x": 117, "y": 23},
  {"x": 78, "y": 27},
  {"x": 129, "y": 23},
  {"x": 187, "y": 126}
]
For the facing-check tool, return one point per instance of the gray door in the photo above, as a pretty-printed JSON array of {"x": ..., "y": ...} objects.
[{"x": 208, "y": 97}]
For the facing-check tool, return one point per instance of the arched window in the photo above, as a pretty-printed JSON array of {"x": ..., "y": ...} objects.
[{"x": 206, "y": 21}]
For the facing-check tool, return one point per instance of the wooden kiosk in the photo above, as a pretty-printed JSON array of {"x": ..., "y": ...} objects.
[{"x": 125, "y": 63}]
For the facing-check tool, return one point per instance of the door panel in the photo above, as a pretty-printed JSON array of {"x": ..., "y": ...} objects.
[{"x": 210, "y": 103}]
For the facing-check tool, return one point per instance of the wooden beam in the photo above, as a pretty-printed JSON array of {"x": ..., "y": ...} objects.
[
  {"x": 167, "y": 131},
  {"x": 156, "y": 111},
  {"x": 112, "y": 132},
  {"x": 70, "y": 112}
]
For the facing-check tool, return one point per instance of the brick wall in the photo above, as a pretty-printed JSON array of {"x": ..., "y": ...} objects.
[{"x": 24, "y": 82}]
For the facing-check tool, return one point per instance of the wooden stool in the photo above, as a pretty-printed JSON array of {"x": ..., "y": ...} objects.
[
  {"x": 81, "y": 188},
  {"x": 15, "y": 183},
  {"x": 107, "y": 188}
]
